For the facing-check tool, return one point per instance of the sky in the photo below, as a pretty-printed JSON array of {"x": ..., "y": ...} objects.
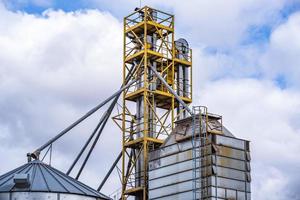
[{"x": 60, "y": 58}]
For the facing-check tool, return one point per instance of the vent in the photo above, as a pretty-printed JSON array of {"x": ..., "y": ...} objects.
[{"x": 21, "y": 180}]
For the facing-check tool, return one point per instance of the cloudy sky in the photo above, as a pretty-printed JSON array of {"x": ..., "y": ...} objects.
[{"x": 59, "y": 58}]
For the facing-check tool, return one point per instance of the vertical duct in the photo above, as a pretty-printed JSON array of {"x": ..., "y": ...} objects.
[
  {"x": 182, "y": 49},
  {"x": 152, "y": 86},
  {"x": 180, "y": 73}
]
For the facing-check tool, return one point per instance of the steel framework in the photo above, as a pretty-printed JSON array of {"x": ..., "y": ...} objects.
[
  {"x": 156, "y": 90},
  {"x": 151, "y": 105}
]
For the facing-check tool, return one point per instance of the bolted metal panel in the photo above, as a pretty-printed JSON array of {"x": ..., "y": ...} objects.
[
  {"x": 44, "y": 180},
  {"x": 171, "y": 169},
  {"x": 230, "y": 142},
  {"x": 5, "y": 196},
  {"x": 170, "y": 190},
  {"x": 171, "y": 179},
  {"x": 171, "y": 149},
  {"x": 228, "y": 183},
  {"x": 43, "y": 196},
  {"x": 172, "y": 159},
  {"x": 178, "y": 196},
  {"x": 226, "y": 165},
  {"x": 231, "y": 153},
  {"x": 231, "y": 173},
  {"x": 231, "y": 163}
]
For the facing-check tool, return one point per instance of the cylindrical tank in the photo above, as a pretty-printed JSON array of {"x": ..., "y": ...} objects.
[
  {"x": 182, "y": 48},
  {"x": 42, "y": 196},
  {"x": 39, "y": 181}
]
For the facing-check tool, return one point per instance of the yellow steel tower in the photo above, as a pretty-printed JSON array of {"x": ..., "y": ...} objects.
[{"x": 149, "y": 109}]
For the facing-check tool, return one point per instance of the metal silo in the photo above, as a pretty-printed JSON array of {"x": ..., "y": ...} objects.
[
  {"x": 39, "y": 181},
  {"x": 220, "y": 169}
]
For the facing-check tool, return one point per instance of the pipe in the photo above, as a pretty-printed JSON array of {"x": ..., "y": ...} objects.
[
  {"x": 180, "y": 90},
  {"x": 36, "y": 153},
  {"x": 106, "y": 117},
  {"x": 171, "y": 90},
  {"x": 85, "y": 145},
  {"x": 109, "y": 172},
  {"x": 130, "y": 73}
]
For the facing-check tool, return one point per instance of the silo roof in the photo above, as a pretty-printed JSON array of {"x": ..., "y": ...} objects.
[{"x": 44, "y": 178}]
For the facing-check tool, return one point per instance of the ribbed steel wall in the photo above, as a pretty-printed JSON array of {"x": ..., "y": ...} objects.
[
  {"x": 228, "y": 169},
  {"x": 43, "y": 196}
]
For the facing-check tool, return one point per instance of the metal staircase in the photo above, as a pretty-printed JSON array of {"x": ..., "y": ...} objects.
[{"x": 199, "y": 139}]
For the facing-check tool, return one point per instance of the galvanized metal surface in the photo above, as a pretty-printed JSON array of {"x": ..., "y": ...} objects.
[
  {"x": 177, "y": 196},
  {"x": 43, "y": 196},
  {"x": 227, "y": 165},
  {"x": 45, "y": 180},
  {"x": 170, "y": 190}
]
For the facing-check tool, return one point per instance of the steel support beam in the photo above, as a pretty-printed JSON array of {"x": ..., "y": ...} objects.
[
  {"x": 131, "y": 72},
  {"x": 172, "y": 91},
  {"x": 85, "y": 145},
  {"x": 110, "y": 171},
  {"x": 36, "y": 153},
  {"x": 105, "y": 119}
]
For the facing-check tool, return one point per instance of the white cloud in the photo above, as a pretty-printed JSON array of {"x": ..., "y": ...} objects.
[
  {"x": 54, "y": 68},
  {"x": 266, "y": 115},
  {"x": 211, "y": 23},
  {"x": 242, "y": 62},
  {"x": 62, "y": 43},
  {"x": 223, "y": 23},
  {"x": 282, "y": 56},
  {"x": 273, "y": 185}
]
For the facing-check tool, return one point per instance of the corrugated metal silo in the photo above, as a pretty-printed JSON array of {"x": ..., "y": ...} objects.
[
  {"x": 39, "y": 181},
  {"x": 224, "y": 168}
]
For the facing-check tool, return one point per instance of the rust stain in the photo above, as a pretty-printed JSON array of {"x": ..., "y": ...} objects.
[
  {"x": 224, "y": 162},
  {"x": 189, "y": 154},
  {"x": 225, "y": 151}
]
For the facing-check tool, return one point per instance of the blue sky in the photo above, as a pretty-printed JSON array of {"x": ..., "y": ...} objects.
[
  {"x": 256, "y": 33},
  {"x": 33, "y": 7}
]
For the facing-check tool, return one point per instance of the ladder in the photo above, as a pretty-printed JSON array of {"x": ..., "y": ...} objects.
[{"x": 199, "y": 138}]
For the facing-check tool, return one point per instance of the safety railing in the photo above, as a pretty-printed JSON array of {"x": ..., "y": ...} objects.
[
  {"x": 183, "y": 89},
  {"x": 185, "y": 56},
  {"x": 156, "y": 131},
  {"x": 135, "y": 179},
  {"x": 149, "y": 14},
  {"x": 136, "y": 45}
]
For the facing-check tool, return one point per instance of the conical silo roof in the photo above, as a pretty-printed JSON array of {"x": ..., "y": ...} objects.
[{"x": 44, "y": 178}]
